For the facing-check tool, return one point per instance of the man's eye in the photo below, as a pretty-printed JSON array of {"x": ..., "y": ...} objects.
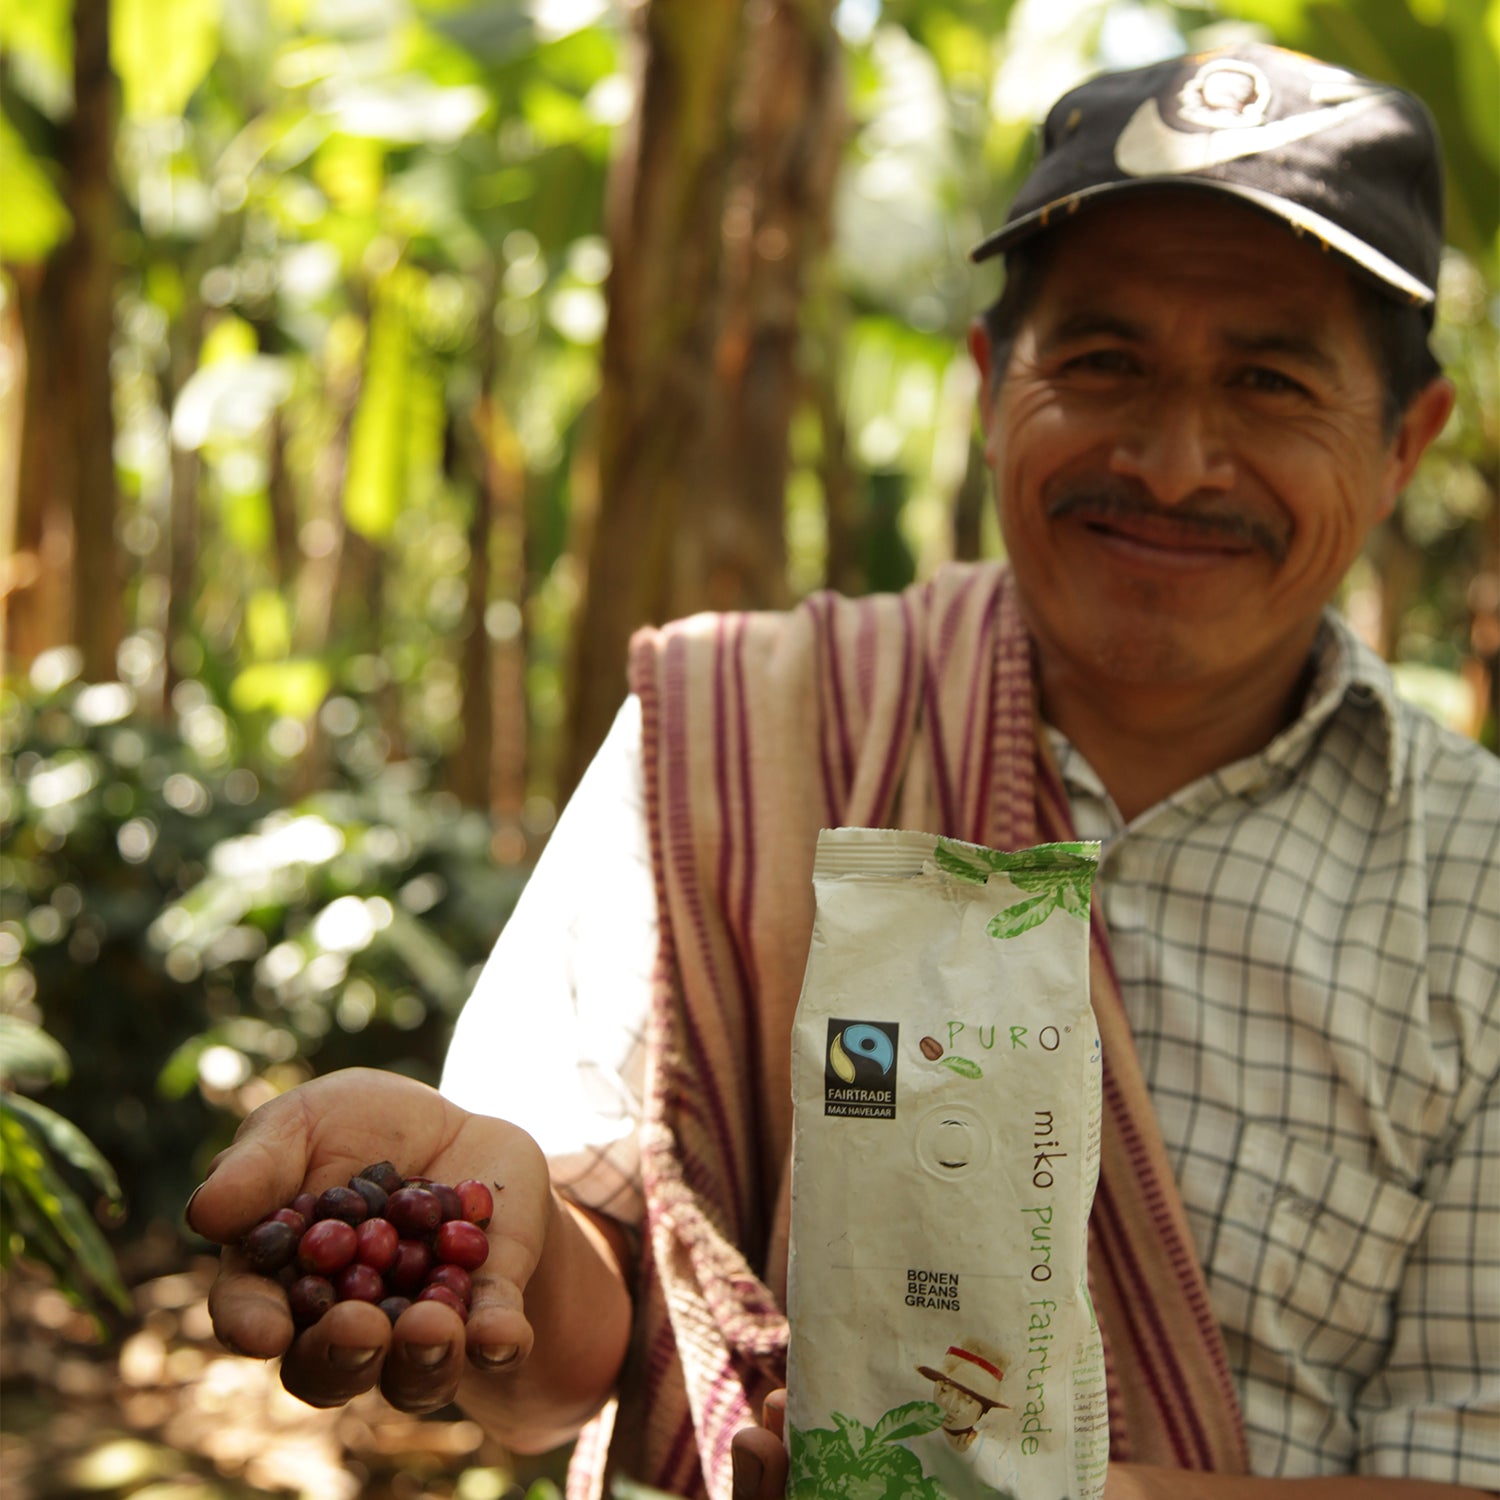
[
  {"x": 1272, "y": 382},
  {"x": 1103, "y": 362}
]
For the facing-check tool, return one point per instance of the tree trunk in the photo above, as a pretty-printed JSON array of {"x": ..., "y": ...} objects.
[
  {"x": 38, "y": 591},
  {"x": 88, "y": 293},
  {"x": 717, "y": 208}
]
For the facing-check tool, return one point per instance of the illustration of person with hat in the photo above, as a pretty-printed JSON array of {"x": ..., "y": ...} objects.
[{"x": 967, "y": 1387}]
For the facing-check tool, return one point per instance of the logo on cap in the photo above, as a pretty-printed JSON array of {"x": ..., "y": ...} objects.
[{"x": 1230, "y": 98}]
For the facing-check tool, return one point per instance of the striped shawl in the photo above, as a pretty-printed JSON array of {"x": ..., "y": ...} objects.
[{"x": 913, "y": 710}]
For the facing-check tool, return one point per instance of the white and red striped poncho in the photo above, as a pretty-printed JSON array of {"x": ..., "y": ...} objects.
[{"x": 914, "y": 710}]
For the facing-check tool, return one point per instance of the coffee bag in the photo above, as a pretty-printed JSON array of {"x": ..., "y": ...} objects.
[{"x": 946, "y": 1084}]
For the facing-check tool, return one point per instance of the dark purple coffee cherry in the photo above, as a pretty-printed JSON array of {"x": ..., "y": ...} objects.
[
  {"x": 408, "y": 1271},
  {"x": 383, "y": 1174},
  {"x": 310, "y": 1298},
  {"x": 373, "y": 1194},
  {"x": 270, "y": 1246},
  {"x": 342, "y": 1203},
  {"x": 452, "y": 1204},
  {"x": 394, "y": 1306}
]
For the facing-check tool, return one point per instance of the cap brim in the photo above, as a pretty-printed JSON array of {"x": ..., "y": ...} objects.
[{"x": 1300, "y": 220}]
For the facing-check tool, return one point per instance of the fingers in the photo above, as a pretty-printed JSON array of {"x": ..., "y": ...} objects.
[
  {"x": 249, "y": 1311},
  {"x": 262, "y": 1170},
  {"x": 758, "y": 1461},
  {"x": 773, "y": 1413},
  {"x": 340, "y": 1356}
]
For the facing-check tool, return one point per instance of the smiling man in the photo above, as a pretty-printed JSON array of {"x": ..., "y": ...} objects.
[{"x": 1206, "y": 379}]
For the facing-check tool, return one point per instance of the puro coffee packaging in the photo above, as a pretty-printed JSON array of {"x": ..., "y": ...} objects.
[{"x": 946, "y": 1084}]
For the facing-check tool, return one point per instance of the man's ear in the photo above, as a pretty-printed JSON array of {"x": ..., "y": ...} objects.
[
  {"x": 983, "y": 353},
  {"x": 1424, "y": 418}
]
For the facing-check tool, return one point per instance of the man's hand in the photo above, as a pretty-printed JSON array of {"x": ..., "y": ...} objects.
[
  {"x": 322, "y": 1134},
  {"x": 758, "y": 1454}
]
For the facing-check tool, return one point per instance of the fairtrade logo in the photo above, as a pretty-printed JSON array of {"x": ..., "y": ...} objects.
[
  {"x": 859, "y": 1072},
  {"x": 871, "y": 1043}
]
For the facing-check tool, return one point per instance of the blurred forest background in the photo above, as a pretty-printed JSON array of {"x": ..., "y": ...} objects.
[{"x": 369, "y": 369}]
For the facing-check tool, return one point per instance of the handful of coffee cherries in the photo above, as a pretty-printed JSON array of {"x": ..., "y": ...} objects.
[{"x": 384, "y": 1238}]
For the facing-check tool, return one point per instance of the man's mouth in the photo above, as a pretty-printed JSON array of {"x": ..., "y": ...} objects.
[{"x": 1133, "y": 526}]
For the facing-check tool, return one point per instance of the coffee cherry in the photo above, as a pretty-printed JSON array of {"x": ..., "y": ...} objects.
[
  {"x": 342, "y": 1203},
  {"x": 447, "y": 1298},
  {"x": 462, "y": 1243},
  {"x": 375, "y": 1243},
  {"x": 408, "y": 1271},
  {"x": 340, "y": 1246},
  {"x": 477, "y": 1200},
  {"x": 270, "y": 1246},
  {"x": 327, "y": 1247},
  {"x": 359, "y": 1283},
  {"x": 383, "y": 1174},
  {"x": 414, "y": 1211},
  {"x": 452, "y": 1205},
  {"x": 393, "y": 1306},
  {"x": 310, "y": 1298},
  {"x": 455, "y": 1278},
  {"x": 373, "y": 1194}
]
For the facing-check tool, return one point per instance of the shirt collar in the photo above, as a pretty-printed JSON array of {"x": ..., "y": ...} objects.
[{"x": 1345, "y": 671}]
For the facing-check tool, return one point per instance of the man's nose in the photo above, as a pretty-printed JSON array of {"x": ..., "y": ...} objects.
[{"x": 1173, "y": 446}]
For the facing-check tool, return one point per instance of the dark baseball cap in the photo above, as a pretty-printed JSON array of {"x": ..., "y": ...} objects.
[{"x": 1350, "y": 164}]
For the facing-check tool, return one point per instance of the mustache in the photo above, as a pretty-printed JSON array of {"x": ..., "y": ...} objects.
[{"x": 1106, "y": 498}]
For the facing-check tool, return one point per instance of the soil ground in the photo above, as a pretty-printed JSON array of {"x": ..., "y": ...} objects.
[{"x": 156, "y": 1410}]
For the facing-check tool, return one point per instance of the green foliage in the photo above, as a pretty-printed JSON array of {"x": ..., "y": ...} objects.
[
  {"x": 195, "y": 945},
  {"x": 34, "y": 222},
  {"x": 42, "y": 1217}
]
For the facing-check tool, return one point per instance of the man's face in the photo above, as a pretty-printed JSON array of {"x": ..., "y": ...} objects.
[
  {"x": 960, "y": 1410},
  {"x": 1187, "y": 444}
]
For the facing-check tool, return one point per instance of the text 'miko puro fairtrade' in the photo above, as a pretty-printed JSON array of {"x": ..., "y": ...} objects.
[{"x": 946, "y": 1083}]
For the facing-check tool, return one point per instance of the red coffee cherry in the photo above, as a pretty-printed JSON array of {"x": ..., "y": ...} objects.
[
  {"x": 359, "y": 1283},
  {"x": 447, "y": 1298},
  {"x": 375, "y": 1243},
  {"x": 477, "y": 1200},
  {"x": 455, "y": 1278},
  {"x": 462, "y": 1243},
  {"x": 327, "y": 1247},
  {"x": 414, "y": 1212},
  {"x": 408, "y": 1271}
]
